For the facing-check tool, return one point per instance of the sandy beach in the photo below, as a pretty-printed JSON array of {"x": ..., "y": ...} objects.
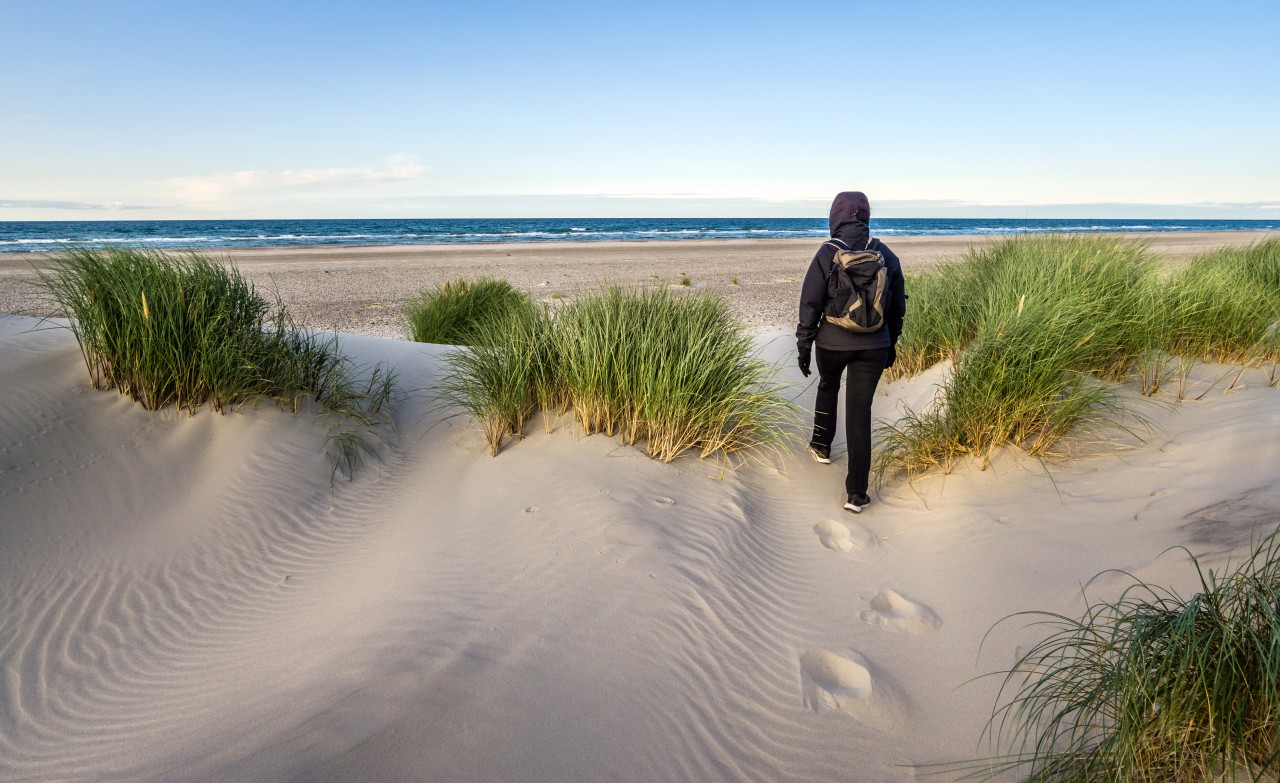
[
  {"x": 188, "y": 598},
  {"x": 361, "y": 290}
]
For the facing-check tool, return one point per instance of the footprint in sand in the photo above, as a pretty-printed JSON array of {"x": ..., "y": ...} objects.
[
  {"x": 841, "y": 537},
  {"x": 664, "y": 501},
  {"x": 894, "y": 611},
  {"x": 846, "y": 682}
]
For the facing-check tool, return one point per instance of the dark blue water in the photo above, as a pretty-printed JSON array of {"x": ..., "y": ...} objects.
[{"x": 18, "y": 236}]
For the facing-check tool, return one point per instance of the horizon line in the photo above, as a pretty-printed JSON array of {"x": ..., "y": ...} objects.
[{"x": 633, "y": 217}]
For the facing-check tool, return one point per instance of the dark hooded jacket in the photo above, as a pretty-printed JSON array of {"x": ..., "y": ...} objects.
[{"x": 850, "y": 214}]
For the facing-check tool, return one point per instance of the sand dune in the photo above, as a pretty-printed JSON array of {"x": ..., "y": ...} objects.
[{"x": 188, "y": 599}]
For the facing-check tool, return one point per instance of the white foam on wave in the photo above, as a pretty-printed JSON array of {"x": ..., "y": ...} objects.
[
  {"x": 107, "y": 240},
  {"x": 143, "y": 240}
]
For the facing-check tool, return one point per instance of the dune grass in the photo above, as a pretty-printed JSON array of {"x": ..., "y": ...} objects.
[
  {"x": 942, "y": 319},
  {"x": 1224, "y": 306},
  {"x": 504, "y": 377},
  {"x": 188, "y": 331},
  {"x": 1040, "y": 329},
  {"x": 673, "y": 373},
  {"x": 1030, "y": 324},
  {"x": 678, "y": 373},
  {"x": 1154, "y": 686},
  {"x": 456, "y": 312}
]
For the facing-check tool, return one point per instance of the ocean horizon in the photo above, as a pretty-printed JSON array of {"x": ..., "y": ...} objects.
[{"x": 29, "y": 236}]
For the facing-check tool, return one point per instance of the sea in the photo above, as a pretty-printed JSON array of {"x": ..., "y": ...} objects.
[{"x": 24, "y": 236}]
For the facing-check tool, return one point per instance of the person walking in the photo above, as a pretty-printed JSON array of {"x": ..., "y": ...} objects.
[{"x": 865, "y": 356}]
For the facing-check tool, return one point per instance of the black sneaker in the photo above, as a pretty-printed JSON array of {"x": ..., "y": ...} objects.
[
  {"x": 820, "y": 453},
  {"x": 856, "y": 503}
]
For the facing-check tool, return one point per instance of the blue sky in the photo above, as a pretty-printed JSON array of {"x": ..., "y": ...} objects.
[{"x": 150, "y": 110}]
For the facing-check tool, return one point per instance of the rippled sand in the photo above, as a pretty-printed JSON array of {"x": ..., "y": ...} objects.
[{"x": 188, "y": 599}]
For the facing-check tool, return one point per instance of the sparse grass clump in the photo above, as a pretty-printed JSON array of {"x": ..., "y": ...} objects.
[
  {"x": 456, "y": 312},
  {"x": 1153, "y": 686},
  {"x": 674, "y": 373},
  {"x": 188, "y": 331}
]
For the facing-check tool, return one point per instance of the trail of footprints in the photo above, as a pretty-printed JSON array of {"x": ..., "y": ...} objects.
[{"x": 844, "y": 680}]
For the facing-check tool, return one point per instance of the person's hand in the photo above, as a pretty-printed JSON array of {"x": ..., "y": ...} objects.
[
  {"x": 893, "y": 356},
  {"x": 804, "y": 354}
]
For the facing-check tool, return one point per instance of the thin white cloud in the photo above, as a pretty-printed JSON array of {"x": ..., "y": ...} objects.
[
  {"x": 955, "y": 208},
  {"x": 676, "y": 204},
  {"x": 1240, "y": 205},
  {"x": 661, "y": 195},
  {"x": 111, "y": 206},
  {"x": 726, "y": 197},
  {"x": 398, "y": 168}
]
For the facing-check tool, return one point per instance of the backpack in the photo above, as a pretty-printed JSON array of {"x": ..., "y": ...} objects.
[{"x": 857, "y": 289}]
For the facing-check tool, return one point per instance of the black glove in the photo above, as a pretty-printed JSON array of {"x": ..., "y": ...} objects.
[
  {"x": 892, "y": 357},
  {"x": 804, "y": 353}
]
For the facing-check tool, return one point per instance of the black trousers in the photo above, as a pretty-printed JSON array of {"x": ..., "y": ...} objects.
[{"x": 864, "y": 369}]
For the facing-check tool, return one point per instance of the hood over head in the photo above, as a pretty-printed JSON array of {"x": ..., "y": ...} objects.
[{"x": 850, "y": 213}]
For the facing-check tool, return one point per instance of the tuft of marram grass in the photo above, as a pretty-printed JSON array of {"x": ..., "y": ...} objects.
[
  {"x": 1029, "y": 323},
  {"x": 504, "y": 377},
  {"x": 675, "y": 374},
  {"x": 1224, "y": 306},
  {"x": 941, "y": 320},
  {"x": 1153, "y": 686},
  {"x": 455, "y": 312},
  {"x": 189, "y": 331}
]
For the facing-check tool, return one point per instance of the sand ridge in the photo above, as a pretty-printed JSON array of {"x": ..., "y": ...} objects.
[{"x": 188, "y": 599}]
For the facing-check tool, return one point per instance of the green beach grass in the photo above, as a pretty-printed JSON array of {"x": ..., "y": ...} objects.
[
  {"x": 455, "y": 312},
  {"x": 504, "y": 377},
  {"x": 672, "y": 373},
  {"x": 678, "y": 373},
  {"x": 1224, "y": 306},
  {"x": 1153, "y": 686},
  {"x": 1042, "y": 330},
  {"x": 189, "y": 331}
]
